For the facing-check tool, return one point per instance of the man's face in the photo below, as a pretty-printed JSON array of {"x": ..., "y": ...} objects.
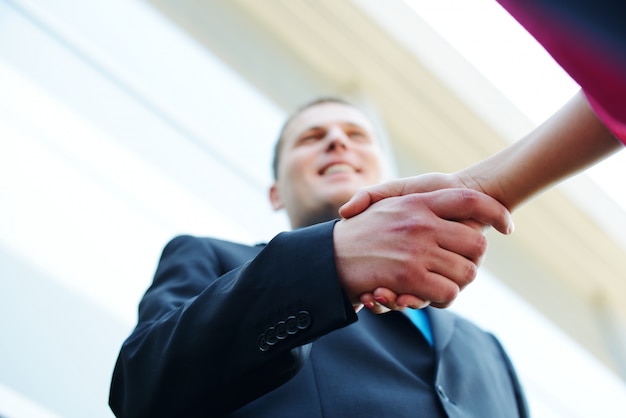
[{"x": 328, "y": 153}]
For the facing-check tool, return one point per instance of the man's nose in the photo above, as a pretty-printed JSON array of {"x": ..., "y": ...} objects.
[{"x": 337, "y": 139}]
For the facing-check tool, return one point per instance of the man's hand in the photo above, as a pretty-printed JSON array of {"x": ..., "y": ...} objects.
[{"x": 415, "y": 244}]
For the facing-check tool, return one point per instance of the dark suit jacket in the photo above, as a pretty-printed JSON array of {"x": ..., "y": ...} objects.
[{"x": 266, "y": 331}]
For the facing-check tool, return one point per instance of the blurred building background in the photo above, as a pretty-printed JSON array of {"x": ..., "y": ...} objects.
[{"x": 124, "y": 123}]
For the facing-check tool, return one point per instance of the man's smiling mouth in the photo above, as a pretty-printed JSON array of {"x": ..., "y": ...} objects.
[{"x": 338, "y": 168}]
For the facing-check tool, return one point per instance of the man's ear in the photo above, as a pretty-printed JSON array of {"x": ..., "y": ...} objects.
[{"x": 277, "y": 203}]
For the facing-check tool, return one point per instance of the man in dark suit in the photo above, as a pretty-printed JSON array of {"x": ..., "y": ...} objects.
[{"x": 273, "y": 331}]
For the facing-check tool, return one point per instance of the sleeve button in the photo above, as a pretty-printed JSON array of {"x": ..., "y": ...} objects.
[
  {"x": 262, "y": 342},
  {"x": 281, "y": 330},
  {"x": 303, "y": 319},
  {"x": 270, "y": 336},
  {"x": 291, "y": 325}
]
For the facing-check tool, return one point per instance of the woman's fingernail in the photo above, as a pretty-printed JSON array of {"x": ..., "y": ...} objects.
[{"x": 381, "y": 300}]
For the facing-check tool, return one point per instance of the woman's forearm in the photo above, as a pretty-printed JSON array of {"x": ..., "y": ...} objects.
[{"x": 568, "y": 142}]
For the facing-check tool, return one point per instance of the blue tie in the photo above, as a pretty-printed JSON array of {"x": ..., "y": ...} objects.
[{"x": 420, "y": 319}]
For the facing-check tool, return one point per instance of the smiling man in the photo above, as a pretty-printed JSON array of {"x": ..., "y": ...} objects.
[
  {"x": 313, "y": 182},
  {"x": 272, "y": 330}
]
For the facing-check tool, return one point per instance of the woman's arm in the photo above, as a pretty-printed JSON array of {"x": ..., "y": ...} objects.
[{"x": 571, "y": 140}]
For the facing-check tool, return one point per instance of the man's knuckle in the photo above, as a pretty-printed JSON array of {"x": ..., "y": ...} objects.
[
  {"x": 481, "y": 245},
  {"x": 448, "y": 293},
  {"x": 471, "y": 272}
]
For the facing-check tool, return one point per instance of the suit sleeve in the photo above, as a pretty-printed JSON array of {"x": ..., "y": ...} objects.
[{"x": 209, "y": 341}]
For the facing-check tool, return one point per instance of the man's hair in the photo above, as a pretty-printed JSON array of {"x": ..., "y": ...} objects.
[{"x": 279, "y": 142}]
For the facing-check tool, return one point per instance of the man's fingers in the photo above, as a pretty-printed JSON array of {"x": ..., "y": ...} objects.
[
  {"x": 439, "y": 290},
  {"x": 466, "y": 241},
  {"x": 463, "y": 204}
]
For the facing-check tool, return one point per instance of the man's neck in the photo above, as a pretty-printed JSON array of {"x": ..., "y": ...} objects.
[{"x": 315, "y": 218}]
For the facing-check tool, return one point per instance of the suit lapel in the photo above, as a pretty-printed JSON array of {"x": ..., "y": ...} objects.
[{"x": 442, "y": 325}]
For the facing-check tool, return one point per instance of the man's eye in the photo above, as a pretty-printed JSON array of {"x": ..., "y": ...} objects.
[
  {"x": 309, "y": 137},
  {"x": 357, "y": 136}
]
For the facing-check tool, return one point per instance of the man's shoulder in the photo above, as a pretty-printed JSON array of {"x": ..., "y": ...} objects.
[
  {"x": 311, "y": 234},
  {"x": 216, "y": 242},
  {"x": 216, "y": 251},
  {"x": 200, "y": 243},
  {"x": 191, "y": 240}
]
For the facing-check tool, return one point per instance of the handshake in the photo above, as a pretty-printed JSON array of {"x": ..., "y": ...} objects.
[{"x": 414, "y": 242}]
